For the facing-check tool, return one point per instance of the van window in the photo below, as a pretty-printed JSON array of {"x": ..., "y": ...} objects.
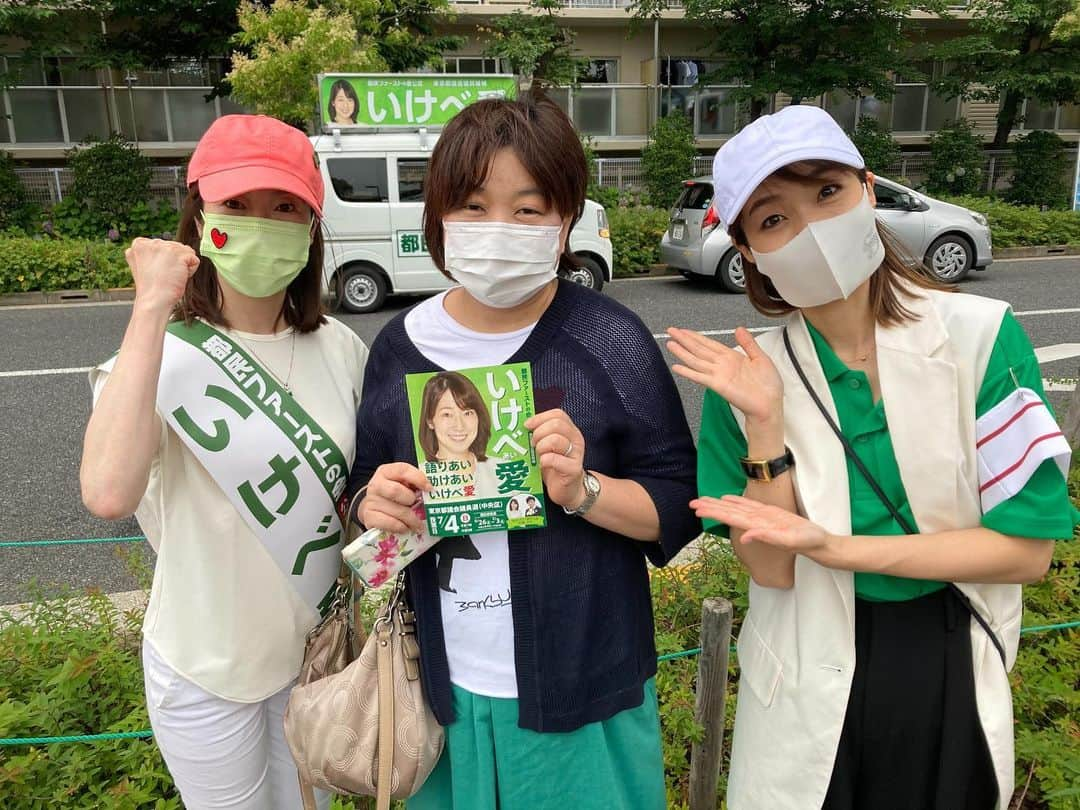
[
  {"x": 410, "y": 177},
  {"x": 359, "y": 179}
]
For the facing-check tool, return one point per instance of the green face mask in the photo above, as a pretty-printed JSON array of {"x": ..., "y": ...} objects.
[{"x": 257, "y": 257}]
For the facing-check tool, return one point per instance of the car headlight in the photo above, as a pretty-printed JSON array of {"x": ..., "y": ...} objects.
[{"x": 975, "y": 215}]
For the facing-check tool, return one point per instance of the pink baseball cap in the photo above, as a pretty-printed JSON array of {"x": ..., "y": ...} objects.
[{"x": 242, "y": 153}]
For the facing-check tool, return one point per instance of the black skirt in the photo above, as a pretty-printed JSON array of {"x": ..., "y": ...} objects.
[{"x": 912, "y": 738}]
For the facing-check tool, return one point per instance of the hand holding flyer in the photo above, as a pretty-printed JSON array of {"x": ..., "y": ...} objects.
[{"x": 472, "y": 444}]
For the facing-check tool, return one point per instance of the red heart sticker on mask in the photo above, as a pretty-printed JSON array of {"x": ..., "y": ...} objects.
[{"x": 218, "y": 238}]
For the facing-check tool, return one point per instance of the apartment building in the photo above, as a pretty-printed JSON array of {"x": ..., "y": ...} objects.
[{"x": 635, "y": 73}]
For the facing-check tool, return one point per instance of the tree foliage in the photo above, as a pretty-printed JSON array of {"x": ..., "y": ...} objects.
[
  {"x": 803, "y": 49},
  {"x": 956, "y": 160},
  {"x": 1010, "y": 54},
  {"x": 875, "y": 143},
  {"x": 1039, "y": 171},
  {"x": 407, "y": 36},
  {"x": 538, "y": 49},
  {"x": 668, "y": 158},
  {"x": 288, "y": 44}
]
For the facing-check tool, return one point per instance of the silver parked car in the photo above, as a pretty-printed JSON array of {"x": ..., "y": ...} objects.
[{"x": 950, "y": 239}]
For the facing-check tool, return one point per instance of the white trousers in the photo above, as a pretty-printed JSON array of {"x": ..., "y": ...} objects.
[{"x": 221, "y": 754}]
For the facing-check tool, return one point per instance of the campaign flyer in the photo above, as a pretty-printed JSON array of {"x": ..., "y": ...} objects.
[{"x": 471, "y": 442}]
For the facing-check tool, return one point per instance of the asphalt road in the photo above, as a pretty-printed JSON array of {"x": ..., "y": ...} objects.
[{"x": 42, "y": 416}]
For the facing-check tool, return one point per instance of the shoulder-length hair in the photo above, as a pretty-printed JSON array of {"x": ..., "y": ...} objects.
[
  {"x": 891, "y": 282},
  {"x": 542, "y": 138},
  {"x": 342, "y": 86},
  {"x": 302, "y": 308},
  {"x": 468, "y": 398}
]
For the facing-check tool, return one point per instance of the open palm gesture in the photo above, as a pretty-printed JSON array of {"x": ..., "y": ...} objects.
[
  {"x": 747, "y": 379},
  {"x": 763, "y": 523}
]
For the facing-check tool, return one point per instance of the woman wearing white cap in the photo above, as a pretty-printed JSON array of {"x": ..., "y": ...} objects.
[
  {"x": 890, "y": 440},
  {"x": 227, "y": 424}
]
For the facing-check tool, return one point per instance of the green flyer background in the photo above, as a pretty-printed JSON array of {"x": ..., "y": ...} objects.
[{"x": 512, "y": 466}]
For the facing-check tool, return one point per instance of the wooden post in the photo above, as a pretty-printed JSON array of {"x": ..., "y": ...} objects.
[
  {"x": 705, "y": 756},
  {"x": 1072, "y": 419}
]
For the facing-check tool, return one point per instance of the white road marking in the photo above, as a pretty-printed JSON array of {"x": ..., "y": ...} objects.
[
  {"x": 1059, "y": 351},
  {"x": 44, "y": 372}
]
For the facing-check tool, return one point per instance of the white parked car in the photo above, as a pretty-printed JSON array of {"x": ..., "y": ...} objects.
[
  {"x": 950, "y": 240},
  {"x": 373, "y": 212}
]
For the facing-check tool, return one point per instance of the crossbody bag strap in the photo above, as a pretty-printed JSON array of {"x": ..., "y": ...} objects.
[{"x": 903, "y": 522}]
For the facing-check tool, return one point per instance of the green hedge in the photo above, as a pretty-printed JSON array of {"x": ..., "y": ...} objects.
[
  {"x": 31, "y": 265},
  {"x": 635, "y": 238},
  {"x": 1024, "y": 225}
]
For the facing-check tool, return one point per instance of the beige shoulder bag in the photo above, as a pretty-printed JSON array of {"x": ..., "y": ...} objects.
[{"x": 362, "y": 727}]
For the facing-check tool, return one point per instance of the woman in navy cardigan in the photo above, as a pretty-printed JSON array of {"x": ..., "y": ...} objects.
[{"x": 537, "y": 647}]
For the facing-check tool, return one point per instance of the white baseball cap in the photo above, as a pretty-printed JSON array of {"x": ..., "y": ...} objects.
[{"x": 770, "y": 143}]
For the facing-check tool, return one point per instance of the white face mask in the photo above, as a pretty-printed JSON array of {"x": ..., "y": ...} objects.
[
  {"x": 827, "y": 260},
  {"x": 501, "y": 265}
]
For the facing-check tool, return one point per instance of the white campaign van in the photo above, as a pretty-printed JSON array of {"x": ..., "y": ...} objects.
[{"x": 373, "y": 212}]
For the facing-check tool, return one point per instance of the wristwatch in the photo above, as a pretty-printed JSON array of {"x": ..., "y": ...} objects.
[
  {"x": 762, "y": 470},
  {"x": 592, "y": 492}
]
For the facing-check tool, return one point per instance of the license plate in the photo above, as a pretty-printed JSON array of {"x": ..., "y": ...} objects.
[{"x": 678, "y": 231}]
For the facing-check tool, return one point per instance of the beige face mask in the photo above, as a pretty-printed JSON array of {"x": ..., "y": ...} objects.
[
  {"x": 828, "y": 260},
  {"x": 501, "y": 265}
]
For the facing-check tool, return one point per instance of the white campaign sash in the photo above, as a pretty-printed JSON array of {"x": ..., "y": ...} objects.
[
  {"x": 282, "y": 472},
  {"x": 1012, "y": 439}
]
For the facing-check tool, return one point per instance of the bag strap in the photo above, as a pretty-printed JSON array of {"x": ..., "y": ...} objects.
[
  {"x": 903, "y": 522},
  {"x": 384, "y": 634}
]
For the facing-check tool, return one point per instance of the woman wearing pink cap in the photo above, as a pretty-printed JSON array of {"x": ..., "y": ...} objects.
[
  {"x": 226, "y": 423},
  {"x": 890, "y": 440}
]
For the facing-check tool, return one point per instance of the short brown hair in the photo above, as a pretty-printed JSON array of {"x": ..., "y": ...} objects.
[
  {"x": 542, "y": 138},
  {"x": 898, "y": 269},
  {"x": 302, "y": 308},
  {"x": 467, "y": 398}
]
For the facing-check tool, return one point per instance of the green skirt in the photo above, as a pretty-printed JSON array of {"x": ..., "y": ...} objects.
[{"x": 491, "y": 764}]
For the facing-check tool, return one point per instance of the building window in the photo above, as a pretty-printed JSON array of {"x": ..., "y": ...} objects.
[
  {"x": 359, "y": 180},
  {"x": 684, "y": 71},
  {"x": 473, "y": 64},
  {"x": 600, "y": 71}
]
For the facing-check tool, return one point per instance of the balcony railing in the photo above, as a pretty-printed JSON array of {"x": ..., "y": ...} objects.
[{"x": 68, "y": 115}]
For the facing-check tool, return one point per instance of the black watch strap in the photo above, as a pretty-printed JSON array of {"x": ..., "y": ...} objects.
[{"x": 768, "y": 470}]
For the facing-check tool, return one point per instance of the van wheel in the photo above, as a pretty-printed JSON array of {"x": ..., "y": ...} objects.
[
  {"x": 588, "y": 274},
  {"x": 730, "y": 273},
  {"x": 363, "y": 289}
]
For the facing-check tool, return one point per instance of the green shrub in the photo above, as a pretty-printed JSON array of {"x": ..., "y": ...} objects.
[
  {"x": 16, "y": 211},
  {"x": 75, "y": 220},
  {"x": 876, "y": 144},
  {"x": 668, "y": 158},
  {"x": 111, "y": 177},
  {"x": 635, "y": 238},
  {"x": 1040, "y": 171},
  {"x": 30, "y": 265},
  {"x": 956, "y": 160},
  {"x": 1024, "y": 225},
  {"x": 71, "y": 666}
]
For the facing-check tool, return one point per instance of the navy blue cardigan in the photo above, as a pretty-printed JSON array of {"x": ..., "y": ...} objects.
[{"x": 582, "y": 612}]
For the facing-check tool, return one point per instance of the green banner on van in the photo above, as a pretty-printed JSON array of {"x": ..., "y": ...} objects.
[{"x": 382, "y": 100}]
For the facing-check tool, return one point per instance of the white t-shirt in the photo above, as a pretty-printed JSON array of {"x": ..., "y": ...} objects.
[
  {"x": 474, "y": 572},
  {"x": 221, "y": 612}
]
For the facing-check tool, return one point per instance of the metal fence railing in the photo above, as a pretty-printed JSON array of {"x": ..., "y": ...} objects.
[
  {"x": 48, "y": 186},
  {"x": 912, "y": 169}
]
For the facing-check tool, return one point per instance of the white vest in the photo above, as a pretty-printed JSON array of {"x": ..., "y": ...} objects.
[{"x": 797, "y": 646}]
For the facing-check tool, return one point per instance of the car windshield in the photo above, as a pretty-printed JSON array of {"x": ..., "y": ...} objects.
[{"x": 695, "y": 197}]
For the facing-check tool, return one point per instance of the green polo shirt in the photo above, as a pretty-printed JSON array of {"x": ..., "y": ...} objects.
[{"x": 1042, "y": 509}]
